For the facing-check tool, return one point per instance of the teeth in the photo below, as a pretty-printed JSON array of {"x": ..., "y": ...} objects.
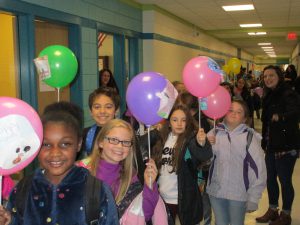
[{"x": 56, "y": 163}]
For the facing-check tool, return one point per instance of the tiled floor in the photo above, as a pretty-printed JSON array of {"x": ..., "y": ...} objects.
[{"x": 263, "y": 205}]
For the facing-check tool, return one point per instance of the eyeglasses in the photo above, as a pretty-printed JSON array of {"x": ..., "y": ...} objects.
[{"x": 116, "y": 141}]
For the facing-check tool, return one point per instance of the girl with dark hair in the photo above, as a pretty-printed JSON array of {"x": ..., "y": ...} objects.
[
  {"x": 242, "y": 92},
  {"x": 290, "y": 75},
  {"x": 106, "y": 79},
  {"x": 280, "y": 131},
  {"x": 179, "y": 149},
  {"x": 56, "y": 191}
]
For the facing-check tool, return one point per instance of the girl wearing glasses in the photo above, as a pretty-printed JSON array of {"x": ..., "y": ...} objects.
[{"x": 113, "y": 160}]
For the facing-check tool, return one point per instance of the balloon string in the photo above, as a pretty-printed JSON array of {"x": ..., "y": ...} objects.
[
  {"x": 58, "y": 94},
  {"x": 149, "y": 152},
  {"x": 199, "y": 102},
  {"x": 215, "y": 125},
  {"x": 0, "y": 189}
]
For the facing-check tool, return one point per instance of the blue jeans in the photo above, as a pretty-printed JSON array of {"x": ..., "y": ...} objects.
[
  {"x": 228, "y": 211},
  {"x": 282, "y": 168}
]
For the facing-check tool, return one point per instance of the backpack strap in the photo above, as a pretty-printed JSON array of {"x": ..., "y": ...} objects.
[
  {"x": 249, "y": 139},
  {"x": 133, "y": 190},
  {"x": 89, "y": 141},
  {"x": 92, "y": 199},
  {"x": 22, "y": 194},
  {"x": 248, "y": 161}
]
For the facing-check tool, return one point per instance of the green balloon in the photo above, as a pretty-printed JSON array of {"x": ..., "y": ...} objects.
[{"x": 63, "y": 65}]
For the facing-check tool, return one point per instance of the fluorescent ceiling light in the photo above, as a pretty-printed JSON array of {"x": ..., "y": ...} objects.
[
  {"x": 264, "y": 43},
  {"x": 266, "y": 47},
  {"x": 257, "y": 33},
  {"x": 238, "y": 7},
  {"x": 251, "y": 25},
  {"x": 261, "y": 33}
]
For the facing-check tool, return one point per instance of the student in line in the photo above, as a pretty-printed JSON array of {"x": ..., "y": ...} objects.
[
  {"x": 56, "y": 191},
  {"x": 179, "y": 148},
  {"x": 114, "y": 161},
  {"x": 237, "y": 175}
]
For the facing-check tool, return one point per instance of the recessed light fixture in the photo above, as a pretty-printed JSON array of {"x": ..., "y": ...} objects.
[
  {"x": 264, "y": 43},
  {"x": 257, "y": 33},
  {"x": 267, "y": 47},
  {"x": 260, "y": 33},
  {"x": 251, "y": 25},
  {"x": 238, "y": 7}
]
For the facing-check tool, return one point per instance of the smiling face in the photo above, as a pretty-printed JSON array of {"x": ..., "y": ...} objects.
[
  {"x": 271, "y": 78},
  {"x": 115, "y": 153},
  {"x": 59, "y": 150},
  {"x": 103, "y": 110},
  {"x": 235, "y": 116},
  {"x": 178, "y": 122}
]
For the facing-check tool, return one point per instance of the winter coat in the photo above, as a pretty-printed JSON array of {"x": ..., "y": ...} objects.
[
  {"x": 284, "y": 134},
  {"x": 62, "y": 204},
  {"x": 236, "y": 173}
]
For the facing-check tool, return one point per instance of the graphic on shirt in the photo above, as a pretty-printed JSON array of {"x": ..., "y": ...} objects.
[
  {"x": 167, "y": 157},
  {"x": 18, "y": 141}
]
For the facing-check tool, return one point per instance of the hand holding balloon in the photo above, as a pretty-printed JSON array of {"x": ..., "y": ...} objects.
[
  {"x": 150, "y": 173},
  {"x": 201, "y": 137}
]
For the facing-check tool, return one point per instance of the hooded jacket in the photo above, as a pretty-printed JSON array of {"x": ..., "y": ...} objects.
[{"x": 235, "y": 173}]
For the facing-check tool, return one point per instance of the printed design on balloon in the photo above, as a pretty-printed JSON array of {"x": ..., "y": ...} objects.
[
  {"x": 214, "y": 66},
  {"x": 167, "y": 100},
  {"x": 11, "y": 130}
]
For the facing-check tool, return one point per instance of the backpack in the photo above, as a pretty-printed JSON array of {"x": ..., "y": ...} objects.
[{"x": 92, "y": 197}]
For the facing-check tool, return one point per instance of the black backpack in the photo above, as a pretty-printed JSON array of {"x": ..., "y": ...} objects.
[{"x": 92, "y": 197}]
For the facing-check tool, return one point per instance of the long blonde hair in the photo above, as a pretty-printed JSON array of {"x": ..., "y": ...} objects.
[{"x": 127, "y": 165}]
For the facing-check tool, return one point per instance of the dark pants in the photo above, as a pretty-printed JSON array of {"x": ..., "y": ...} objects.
[
  {"x": 173, "y": 210},
  {"x": 282, "y": 168}
]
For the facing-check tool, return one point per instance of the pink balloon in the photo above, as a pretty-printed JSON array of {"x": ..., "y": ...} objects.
[
  {"x": 201, "y": 76},
  {"x": 216, "y": 104},
  {"x": 21, "y": 135}
]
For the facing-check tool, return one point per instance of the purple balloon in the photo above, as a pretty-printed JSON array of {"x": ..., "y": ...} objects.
[{"x": 142, "y": 99}]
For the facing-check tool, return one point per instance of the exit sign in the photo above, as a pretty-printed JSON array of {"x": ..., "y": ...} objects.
[{"x": 292, "y": 36}]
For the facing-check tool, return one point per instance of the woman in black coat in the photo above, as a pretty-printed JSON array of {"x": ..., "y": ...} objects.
[{"x": 280, "y": 130}]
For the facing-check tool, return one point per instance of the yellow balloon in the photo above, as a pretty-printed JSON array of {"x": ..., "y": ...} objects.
[
  {"x": 226, "y": 69},
  {"x": 234, "y": 65}
]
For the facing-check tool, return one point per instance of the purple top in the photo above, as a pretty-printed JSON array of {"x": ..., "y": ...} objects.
[{"x": 109, "y": 173}]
